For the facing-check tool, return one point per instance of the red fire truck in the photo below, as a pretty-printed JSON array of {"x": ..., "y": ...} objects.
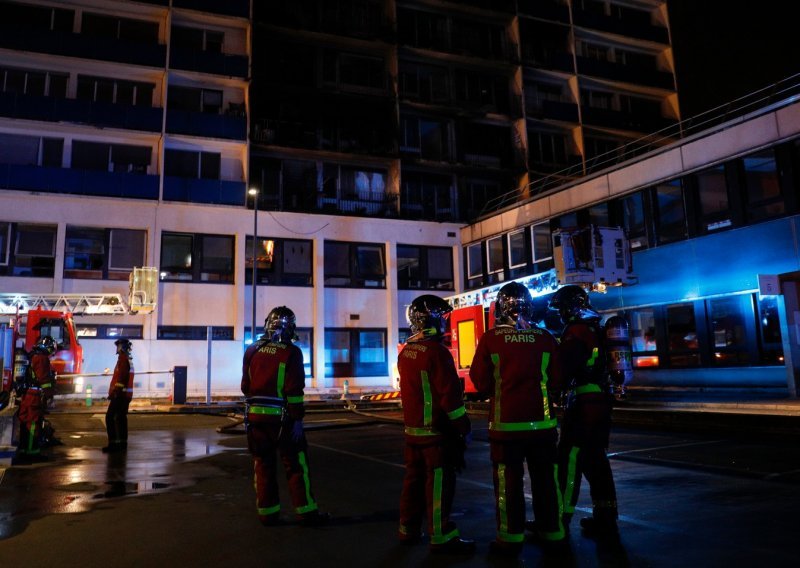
[{"x": 593, "y": 257}]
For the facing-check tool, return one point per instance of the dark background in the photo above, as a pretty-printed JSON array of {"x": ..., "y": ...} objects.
[{"x": 725, "y": 49}]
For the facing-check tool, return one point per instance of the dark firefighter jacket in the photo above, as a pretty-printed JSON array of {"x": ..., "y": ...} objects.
[
  {"x": 42, "y": 372},
  {"x": 583, "y": 356},
  {"x": 273, "y": 380},
  {"x": 433, "y": 398},
  {"x": 122, "y": 380},
  {"x": 519, "y": 370}
]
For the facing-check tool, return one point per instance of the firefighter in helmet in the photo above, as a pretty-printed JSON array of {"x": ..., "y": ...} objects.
[
  {"x": 516, "y": 365},
  {"x": 273, "y": 380},
  {"x": 38, "y": 389},
  {"x": 437, "y": 429},
  {"x": 120, "y": 393},
  {"x": 587, "y": 417}
]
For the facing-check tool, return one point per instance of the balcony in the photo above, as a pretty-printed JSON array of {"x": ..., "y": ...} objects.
[
  {"x": 552, "y": 59},
  {"x": 206, "y": 125},
  {"x": 552, "y": 110},
  {"x": 84, "y": 47},
  {"x": 546, "y": 10},
  {"x": 212, "y": 63},
  {"x": 236, "y": 8},
  {"x": 625, "y": 73},
  {"x": 193, "y": 190},
  {"x": 80, "y": 182},
  {"x": 362, "y": 204},
  {"x": 108, "y": 115},
  {"x": 641, "y": 29},
  {"x": 638, "y": 121}
]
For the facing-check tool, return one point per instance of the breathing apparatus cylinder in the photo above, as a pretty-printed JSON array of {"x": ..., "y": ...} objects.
[{"x": 619, "y": 356}]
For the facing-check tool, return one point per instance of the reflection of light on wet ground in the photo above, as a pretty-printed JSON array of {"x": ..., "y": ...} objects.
[{"x": 78, "y": 477}]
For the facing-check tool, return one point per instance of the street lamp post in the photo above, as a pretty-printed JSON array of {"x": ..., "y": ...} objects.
[{"x": 254, "y": 193}]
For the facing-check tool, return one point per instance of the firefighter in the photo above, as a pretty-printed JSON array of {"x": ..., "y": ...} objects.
[
  {"x": 273, "y": 380},
  {"x": 437, "y": 429},
  {"x": 587, "y": 417},
  {"x": 516, "y": 365},
  {"x": 38, "y": 389},
  {"x": 120, "y": 393}
]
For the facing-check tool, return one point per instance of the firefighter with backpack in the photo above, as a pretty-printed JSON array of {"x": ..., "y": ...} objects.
[
  {"x": 586, "y": 423},
  {"x": 35, "y": 391}
]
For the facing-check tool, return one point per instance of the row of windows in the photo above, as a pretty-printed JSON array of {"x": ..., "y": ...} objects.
[
  {"x": 719, "y": 332},
  {"x": 111, "y": 254},
  {"x": 348, "y": 352},
  {"x": 754, "y": 188},
  {"x": 22, "y": 150}
]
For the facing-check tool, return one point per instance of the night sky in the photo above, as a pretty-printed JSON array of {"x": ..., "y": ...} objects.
[{"x": 725, "y": 49}]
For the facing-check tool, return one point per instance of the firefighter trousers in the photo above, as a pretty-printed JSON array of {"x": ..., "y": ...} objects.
[
  {"x": 267, "y": 442},
  {"x": 31, "y": 416},
  {"x": 582, "y": 449},
  {"x": 117, "y": 420},
  {"x": 428, "y": 488},
  {"x": 509, "y": 456}
]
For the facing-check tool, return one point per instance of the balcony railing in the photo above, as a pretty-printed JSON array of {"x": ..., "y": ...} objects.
[
  {"x": 193, "y": 190},
  {"x": 206, "y": 125},
  {"x": 81, "y": 182},
  {"x": 360, "y": 204},
  {"x": 52, "y": 109},
  {"x": 627, "y": 73}
]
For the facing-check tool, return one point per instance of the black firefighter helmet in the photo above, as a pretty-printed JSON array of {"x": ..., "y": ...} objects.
[
  {"x": 572, "y": 304},
  {"x": 514, "y": 306},
  {"x": 280, "y": 325},
  {"x": 427, "y": 315}
]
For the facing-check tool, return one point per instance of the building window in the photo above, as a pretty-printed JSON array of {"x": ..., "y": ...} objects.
[
  {"x": 474, "y": 265},
  {"x": 355, "y": 353},
  {"x": 122, "y": 158},
  {"x": 517, "y": 251},
  {"x": 542, "y": 248},
  {"x": 669, "y": 212},
  {"x": 474, "y": 195},
  {"x": 114, "y": 27},
  {"x": 281, "y": 262},
  {"x": 354, "y": 70},
  {"x": 187, "y": 257},
  {"x": 107, "y": 90},
  {"x": 769, "y": 331},
  {"x": 426, "y": 268},
  {"x": 21, "y": 150},
  {"x": 713, "y": 199},
  {"x": 37, "y": 83},
  {"x": 207, "y": 101},
  {"x": 109, "y": 331},
  {"x": 351, "y": 183},
  {"x": 195, "y": 332},
  {"x": 643, "y": 337},
  {"x": 354, "y": 265},
  {"x": 96, "y": 253},
  {"x": 189, "y": 164},
  {"x": 197, "y": 39},
  {"x": 684, "y": 348},
  {"x": 41, "y": 18},
  {"x": 426, "y": 196},
  {"x": 494, "y": 255},
  {"x": 634, "y": 220},
  {"x": 764, "y": 198},
  {"x": 27, "y": 249},
  {"x": 728, "y": 319}
]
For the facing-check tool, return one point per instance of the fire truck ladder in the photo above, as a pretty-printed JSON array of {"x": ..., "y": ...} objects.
[{"x": 78, "y": 304}]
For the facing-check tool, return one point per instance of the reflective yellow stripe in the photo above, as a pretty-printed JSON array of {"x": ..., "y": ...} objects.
[
  {"x": 47, "y": 385},
  {"x": 427, "y": 400},
  {"x": 457, "y": 413},
  {"x": 523, "y": 426},
  {"x": 281, "y": 378},
  {"x": 545, "y": 399},
  {"x": 270, "y": 410},
  {"x": 421, "y": 431},
  {"x": 591, "y": 387}
]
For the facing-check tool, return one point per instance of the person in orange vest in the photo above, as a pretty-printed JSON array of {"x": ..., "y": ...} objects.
[
  {"x": 273, "y": 381},
  {"x": 516, "y": 365},
  {"x": 437, "y": 429},
  {"x": 38, "y": 386},
  {"x": 120, "y": 393},
  {"x": 586, "y": 425}
]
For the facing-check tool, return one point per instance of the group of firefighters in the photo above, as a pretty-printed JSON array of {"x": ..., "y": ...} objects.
[
  {"x": 520, "y": 367},
  {"x": 36, "y": 389}
]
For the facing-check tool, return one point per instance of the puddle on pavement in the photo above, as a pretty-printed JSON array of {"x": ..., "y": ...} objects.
[{"x": 76, "y": 478}]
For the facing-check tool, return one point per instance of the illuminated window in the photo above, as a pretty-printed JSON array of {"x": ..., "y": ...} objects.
[
  {"x": 281, "y": 262},
  {"x": 728, "y": 319},
  {"x": 355, "y": 265},
  {"x": 192, "y": 257},
  {"x": 355, "y": 352},
  {"x": 643, "y": 337},
  {"x": 494, "y": 254}
]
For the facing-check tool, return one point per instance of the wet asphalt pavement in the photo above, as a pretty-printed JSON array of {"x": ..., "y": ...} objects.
[{"x": 183, "y": 495}]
